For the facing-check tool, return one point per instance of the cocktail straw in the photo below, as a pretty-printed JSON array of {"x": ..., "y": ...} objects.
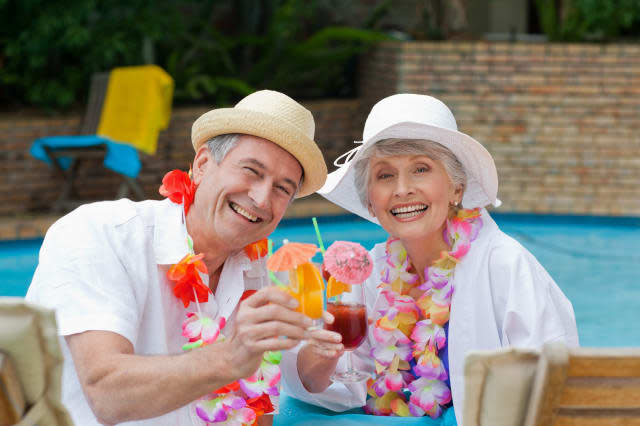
[
  {"x": 315, "y": 225},
  {"x": 271, "y": 274}
]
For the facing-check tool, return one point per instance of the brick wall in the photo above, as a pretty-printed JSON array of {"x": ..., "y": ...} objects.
[
  {"x": 29, "y": 185},
  {"x": 562, "y": 121}
]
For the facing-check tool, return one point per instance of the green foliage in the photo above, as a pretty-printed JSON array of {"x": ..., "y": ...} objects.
[
  {"x": 50, "y": 49},
  {"x": 283, "y": 45},
  {"x": 589, "y": 20},
  {"x": 216, "y": 50}
]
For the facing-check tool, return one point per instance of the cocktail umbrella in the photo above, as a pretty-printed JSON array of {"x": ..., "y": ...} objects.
[
  {"x": 290, "y": 256},
  {"x": 348, "y": 262}
]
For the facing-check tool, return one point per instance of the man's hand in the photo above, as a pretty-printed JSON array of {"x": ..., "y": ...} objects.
[{"x": 265, "y": 322}]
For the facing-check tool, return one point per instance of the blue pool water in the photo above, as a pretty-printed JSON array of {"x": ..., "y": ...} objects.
[{"x": 594, "y": 260}]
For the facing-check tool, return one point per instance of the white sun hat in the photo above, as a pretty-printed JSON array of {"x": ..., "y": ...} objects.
[
  {"x": 275, "y": 117},
  {"x": 411, "y": 116}
]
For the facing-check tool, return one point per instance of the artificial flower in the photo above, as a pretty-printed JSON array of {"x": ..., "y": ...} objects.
[
  {"x": 247, "y": 294},
  {"x": 427, "y": 335},
  {"x": 255, "y": 251},
  {"x": 430, "y": 395},
  {"x": 201, "y": 328},
  {"x": 179, "y": 188},
  {"x": 261, "y": 405},
  {"x": 186, "y": 275}
]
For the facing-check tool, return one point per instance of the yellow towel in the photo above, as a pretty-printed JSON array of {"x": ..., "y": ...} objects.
[{"x": 137, "y": 106}]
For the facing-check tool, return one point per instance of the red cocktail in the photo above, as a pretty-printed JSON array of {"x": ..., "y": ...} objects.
[{"x": 350, "y": 322}]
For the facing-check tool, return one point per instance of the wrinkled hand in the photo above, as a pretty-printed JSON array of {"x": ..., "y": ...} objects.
[
  {"x": 325, "y": 343},
  {"x": 263, "y": 319}
]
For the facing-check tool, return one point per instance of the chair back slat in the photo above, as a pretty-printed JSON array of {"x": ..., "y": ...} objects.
[
  {"x": 624, "y": 362},
  {"x": 599, "y": 418},
  {"x": 97, "y": 94},
  {"x": 600, "y": 393}
]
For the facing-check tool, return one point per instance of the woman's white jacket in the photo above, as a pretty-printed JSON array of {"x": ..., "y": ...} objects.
[{"x": 502, "y": 297}]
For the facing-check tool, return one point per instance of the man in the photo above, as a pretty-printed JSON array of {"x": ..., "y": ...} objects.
[{"x": 103, "y": 268}]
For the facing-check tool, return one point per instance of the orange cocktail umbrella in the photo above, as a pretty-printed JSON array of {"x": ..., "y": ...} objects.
[{"x": 290, "y": 255}]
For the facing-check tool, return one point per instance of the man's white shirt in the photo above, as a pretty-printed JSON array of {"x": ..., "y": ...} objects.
[{"x": 103, "y": 267}]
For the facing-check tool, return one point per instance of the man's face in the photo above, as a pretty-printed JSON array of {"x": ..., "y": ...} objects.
[{"x": 242, "y": 199}]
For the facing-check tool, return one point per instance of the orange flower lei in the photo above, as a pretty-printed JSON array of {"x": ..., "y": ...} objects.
[{"x": 247, "y": 399}]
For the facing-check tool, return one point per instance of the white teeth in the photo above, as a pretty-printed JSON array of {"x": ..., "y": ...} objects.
[
  {"x": 243, "y": 212},
  {"x": 409, "y": 209}
]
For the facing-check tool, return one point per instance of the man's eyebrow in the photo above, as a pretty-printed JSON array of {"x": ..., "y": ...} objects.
[
  {"x": 261, "y": 166},
  {"x": 254, "y": 162}
]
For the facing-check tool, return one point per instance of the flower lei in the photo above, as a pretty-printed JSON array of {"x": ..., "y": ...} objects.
[
  {"x": 243, "y": 401},
  {"x": 409, "y": 333}
]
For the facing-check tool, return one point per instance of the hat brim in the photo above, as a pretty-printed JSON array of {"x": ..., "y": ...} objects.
[
  {"x": 482, "y": 176},
  {"x": 232, "y": 120}
]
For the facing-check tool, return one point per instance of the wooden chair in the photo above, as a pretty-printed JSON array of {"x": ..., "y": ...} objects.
[
  {"x": 557, "y": 386},
  {"x": 586, "y": 386},
  {"x": 68, "y": 200}
]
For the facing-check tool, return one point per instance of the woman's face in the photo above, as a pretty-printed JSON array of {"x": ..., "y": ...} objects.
[{"x": 410, "y": 195}]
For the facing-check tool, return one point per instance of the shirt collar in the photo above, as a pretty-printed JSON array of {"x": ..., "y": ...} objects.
[{"x": 169, "y": 233}]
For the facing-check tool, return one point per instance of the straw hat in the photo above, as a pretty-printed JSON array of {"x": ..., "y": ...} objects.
[
  {"x": 273, "y": 116},
  {"x": 410, "y": 116}
]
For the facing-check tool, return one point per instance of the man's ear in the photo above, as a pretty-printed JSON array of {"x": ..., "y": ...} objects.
[{"x": 201, "y": 162}]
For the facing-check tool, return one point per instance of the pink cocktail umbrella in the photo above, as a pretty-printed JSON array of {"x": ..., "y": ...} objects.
[{"x": 348, "y": 262}]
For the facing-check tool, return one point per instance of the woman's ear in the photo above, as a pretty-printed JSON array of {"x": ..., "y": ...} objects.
[
  {"x": 371, "y": 212},
  {"x": 459, "y": 193},
  {"x": 201, "y": 162}
]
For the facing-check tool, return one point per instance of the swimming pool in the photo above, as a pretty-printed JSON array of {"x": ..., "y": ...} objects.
[{"x": 594, "y": 260}]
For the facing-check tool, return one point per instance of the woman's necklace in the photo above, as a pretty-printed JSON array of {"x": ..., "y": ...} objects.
[{"x": 410, "y": 377}]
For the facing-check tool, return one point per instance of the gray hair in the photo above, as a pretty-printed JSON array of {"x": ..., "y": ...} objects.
[
  {"x": 219, "y": 146},
  {"x": 389, "y": 147}
]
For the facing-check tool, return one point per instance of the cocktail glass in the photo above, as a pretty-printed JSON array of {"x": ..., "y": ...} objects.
[
  {"x": 347, "y": 305},
  {"x": 306, "y": 286}
]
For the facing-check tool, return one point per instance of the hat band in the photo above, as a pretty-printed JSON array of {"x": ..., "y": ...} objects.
[{"x": 347, "y": 156}]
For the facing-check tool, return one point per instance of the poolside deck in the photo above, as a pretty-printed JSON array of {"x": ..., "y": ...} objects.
[{"x": 36, "y": 225}]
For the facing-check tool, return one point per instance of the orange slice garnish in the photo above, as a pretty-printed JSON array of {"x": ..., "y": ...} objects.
[
  {"x": 307, "y": 288},
  {"x": 335, "y": 287}
]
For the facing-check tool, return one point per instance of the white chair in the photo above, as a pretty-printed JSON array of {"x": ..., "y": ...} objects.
[{"x": 31, "y": 366}]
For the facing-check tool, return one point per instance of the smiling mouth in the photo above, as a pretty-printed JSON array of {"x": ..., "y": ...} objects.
[
  {"x": 409, "y": 211},
  {"x": 242, "y": 212}
]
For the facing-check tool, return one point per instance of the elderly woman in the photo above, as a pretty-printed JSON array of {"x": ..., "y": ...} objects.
[{"x": 447, "y": 281}]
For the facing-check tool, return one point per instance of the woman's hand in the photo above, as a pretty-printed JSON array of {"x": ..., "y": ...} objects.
[
  {"x": 325, "y": 343},
  {"x": 318, "y": 358}
]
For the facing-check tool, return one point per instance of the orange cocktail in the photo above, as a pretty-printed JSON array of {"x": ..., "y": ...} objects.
[{"x": 307, "y": 287}]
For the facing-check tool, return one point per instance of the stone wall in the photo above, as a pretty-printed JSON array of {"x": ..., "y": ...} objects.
[
  {"x": 28, "y": 185},
  {"x": 562, "y": 121}
]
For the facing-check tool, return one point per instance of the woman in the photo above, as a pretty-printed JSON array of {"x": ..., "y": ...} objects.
[{"x": 459, "y": 283}]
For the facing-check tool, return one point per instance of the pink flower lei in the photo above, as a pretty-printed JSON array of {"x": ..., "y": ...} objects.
[
  {"x": 410, "y": 333},
  {"x": 243, "y": 401}
]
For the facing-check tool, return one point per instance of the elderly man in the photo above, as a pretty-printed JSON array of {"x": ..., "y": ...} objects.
[{"x": 104, "y": 269}]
